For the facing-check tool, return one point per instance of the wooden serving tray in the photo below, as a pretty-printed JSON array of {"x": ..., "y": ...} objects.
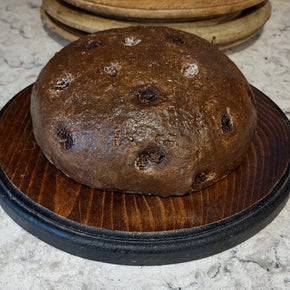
[
  {"x": 138, "y": 229},
  {"x": 60, "y": 29},
  {"x": 72, "y": 34},
  {"x": 68, "y": 22},
  {"x": 163, "y": 9}
]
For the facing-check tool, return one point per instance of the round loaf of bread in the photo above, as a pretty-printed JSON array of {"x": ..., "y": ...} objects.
[{"x": 147, "y": 110}]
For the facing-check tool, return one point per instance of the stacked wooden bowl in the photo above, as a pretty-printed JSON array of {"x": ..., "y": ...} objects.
[{"x": 225, "y": 23}]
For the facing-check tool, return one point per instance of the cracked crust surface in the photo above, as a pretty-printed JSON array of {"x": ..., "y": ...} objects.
[{"x": 143, "y": 110}]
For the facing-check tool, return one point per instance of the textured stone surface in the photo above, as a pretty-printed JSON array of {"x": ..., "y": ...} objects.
[{"x": 262, "y": 262}]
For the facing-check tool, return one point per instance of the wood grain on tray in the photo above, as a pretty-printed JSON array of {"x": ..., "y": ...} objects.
[
  {"x": 30, "y": 172},
  {"x": 165, "y": 9},
  {"x": 69, "y": 22}
]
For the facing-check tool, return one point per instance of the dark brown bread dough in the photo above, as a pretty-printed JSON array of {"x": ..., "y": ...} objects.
[{"x": 143, "y": 110}]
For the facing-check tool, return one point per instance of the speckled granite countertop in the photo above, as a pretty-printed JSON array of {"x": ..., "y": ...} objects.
[{"x": 262, "y": 262}]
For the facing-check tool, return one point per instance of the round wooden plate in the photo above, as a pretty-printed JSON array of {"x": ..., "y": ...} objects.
[
  {"x": 163, "y": 9},
  {"x": 60, "y": 29},
  {"x": 137, "y": 229},
  {"x": 72, "y": 34},
  {"x": 222, "y": 33}
]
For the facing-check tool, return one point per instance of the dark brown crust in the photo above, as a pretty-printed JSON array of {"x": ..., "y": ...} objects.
[{"x": 165, "y": 115}]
